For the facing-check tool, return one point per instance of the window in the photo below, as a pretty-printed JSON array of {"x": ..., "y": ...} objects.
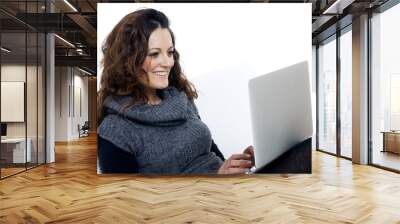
[
  {"x": 346, "y": 93},
  {"x": 22, "y": 67},
  {"x": 385, "y": 88},
  {"x": 327, "y": 96}
]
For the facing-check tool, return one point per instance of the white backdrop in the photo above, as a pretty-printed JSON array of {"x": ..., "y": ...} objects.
[
  {"x": 222, "y": 46},
  {"x": 12, "y": 101}
]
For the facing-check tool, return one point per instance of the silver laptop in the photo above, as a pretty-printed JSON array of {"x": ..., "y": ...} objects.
[{"x": 281, "y": 116}]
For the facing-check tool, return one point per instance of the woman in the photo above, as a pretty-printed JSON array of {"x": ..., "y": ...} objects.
[{"x": 148, "y": 120}]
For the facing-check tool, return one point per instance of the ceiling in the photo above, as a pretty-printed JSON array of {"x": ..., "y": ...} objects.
[{"x": 76, "y": 23}]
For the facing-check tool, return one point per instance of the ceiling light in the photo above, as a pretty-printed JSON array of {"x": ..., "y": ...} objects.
[
  {"x": 5, "y": 50},
  {"x": 70, "y": 5},
  {"x": 65, "y": 41},
  {"x": 86, "y": 72},
  {"x": 80, "y": 51},
  {"x": 338, "y": 6}
]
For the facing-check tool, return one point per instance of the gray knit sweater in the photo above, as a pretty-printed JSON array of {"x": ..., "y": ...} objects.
[{"x": 168, "y": 138}]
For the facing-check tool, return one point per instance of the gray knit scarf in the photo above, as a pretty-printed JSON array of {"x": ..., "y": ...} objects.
[{"x": 168, "y": 138}]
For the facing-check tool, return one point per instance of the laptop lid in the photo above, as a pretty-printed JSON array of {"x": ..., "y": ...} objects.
[{"x": 281, "y": 114}]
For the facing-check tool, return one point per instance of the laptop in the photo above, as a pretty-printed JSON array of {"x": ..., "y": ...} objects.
[{"x": 281, "y": 114}]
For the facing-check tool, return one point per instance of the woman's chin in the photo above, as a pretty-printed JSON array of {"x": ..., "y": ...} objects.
[{"x": 161, "y": 85}]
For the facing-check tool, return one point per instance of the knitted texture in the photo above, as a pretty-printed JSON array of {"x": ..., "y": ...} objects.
[{"x": 168, "y": 138}]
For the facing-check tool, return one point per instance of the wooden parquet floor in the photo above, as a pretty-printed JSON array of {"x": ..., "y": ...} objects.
[{"x": 70, "y": 191}]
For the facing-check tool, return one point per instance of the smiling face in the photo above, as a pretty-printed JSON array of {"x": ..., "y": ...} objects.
[{"x": 159, "y": 59}]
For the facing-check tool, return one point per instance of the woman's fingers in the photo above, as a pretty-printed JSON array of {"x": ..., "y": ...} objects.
[
  {"x": 237, "y": 163},
  {"x": 240, "y": 156},
  {"x": 238, "y": 170},
  {"x": 249, "y": 150},
  {"x": 241, "y": 163}
]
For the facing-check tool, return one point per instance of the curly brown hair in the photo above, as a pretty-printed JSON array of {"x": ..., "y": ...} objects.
[{"x": 125, "y": 50}]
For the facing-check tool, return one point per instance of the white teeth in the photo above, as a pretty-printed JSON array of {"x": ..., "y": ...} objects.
[{"x": 161, "y": 73}]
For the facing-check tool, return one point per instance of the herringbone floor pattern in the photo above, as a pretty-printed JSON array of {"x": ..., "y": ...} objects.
[{"x": 70, "y": 191}]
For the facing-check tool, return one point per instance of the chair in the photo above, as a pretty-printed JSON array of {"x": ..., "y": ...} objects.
[{"x": 84, "y": 130}]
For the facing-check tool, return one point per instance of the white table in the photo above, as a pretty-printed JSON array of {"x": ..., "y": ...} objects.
[{"x": 18, "y": 148}]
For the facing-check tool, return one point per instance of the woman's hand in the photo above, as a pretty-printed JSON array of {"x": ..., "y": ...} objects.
[
  {"x": 238, "y": 163},
  {"x": 250, "y": 150}
]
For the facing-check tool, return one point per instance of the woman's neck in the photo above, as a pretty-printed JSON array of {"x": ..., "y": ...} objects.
[{"x": 152, "y": 97}]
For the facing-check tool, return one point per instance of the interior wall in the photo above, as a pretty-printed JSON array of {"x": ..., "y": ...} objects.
[
  {"x": 71, "y": 102},
  {"x": 61, "y": 103},
  {"x": 16, "y": 72},
  {"x": 33, "y": 126},
  {"x": 80, "y": 110}
]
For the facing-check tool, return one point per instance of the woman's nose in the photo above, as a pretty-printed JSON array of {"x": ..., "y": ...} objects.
[{"x": 167, "y": 61}]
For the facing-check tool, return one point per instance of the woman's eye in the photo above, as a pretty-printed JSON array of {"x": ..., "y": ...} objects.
[
  {"x": 170, "y": 53},
  {"x": 153, "y": 55}
]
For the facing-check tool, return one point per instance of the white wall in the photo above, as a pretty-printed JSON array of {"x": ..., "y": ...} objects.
[
  {"x": 222, "y": 46},
  {"x": 69, "y": 79},
  {"x": 61, "y": 103},
  {"x": 12, "y": 73},
  {"x": 33, "y": 125},
  {"x": 80, "y": 83}
]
